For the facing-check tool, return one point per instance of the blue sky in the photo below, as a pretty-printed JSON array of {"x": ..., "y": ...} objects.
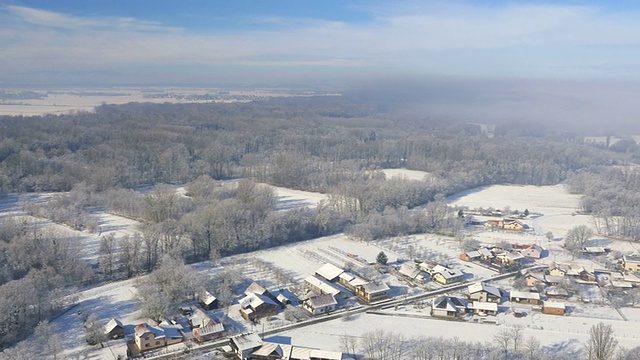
[{"x": 311, "y": 42}]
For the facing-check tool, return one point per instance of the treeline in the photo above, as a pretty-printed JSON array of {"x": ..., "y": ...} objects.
[
  {"x": 38, "y": 271},
  {"x": 298, "y": 143},
  {"x": 612, "y": 196}
]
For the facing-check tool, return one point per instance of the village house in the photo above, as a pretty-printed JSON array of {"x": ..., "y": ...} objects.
[
  {"x": 484, "y": 308},
  {"x": 553, "y": 307},
  {"x": 595, "y": 250},
  {"x": 114, "y": 329},
  {"x": 351, "y": 281},
  {"x": 507, "y": 258},
  {"x": 200, "y": 319},
  {"x": 411, "y": 271},
  {"x": 527, "y": 297},
  {"x": 321, "y": 286},
  {"x": 320, "y": 304},
  {"x": 631, "y": 263},
  {"x": 372, "y": 292},
  {"x": 484, "y": 293},
  {"x": 532, "y": 279},
  {"x": 329, "y": 272},
  {"x": 507, "y": 224},
  {"x": 244, "y": 344},
  {"x": 553, "y": 280},
  {"x": 448, "y": 306},
  {"x": 532, "y": 251},
  {"x": 147, "y": 337},
  {"x": 256, "y": 288},
  {"x": 208, "y": 301},
  {"x": 554, "y": 292},
  {"x": 444, "y": 275},
  {"x": 271, "y": 351},
  {"x": 257, "y": 306}
]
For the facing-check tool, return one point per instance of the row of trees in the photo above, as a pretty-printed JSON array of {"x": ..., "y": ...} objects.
[
  {"x": 509, "y": 343},
  {"x": 612, "y": 196}
]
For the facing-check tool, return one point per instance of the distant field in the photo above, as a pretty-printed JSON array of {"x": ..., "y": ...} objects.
[{"x": 406, "y": 174}]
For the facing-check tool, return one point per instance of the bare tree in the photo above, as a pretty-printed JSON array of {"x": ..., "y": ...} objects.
[
  {"x": 503, "y": 339},
  {"x": 576, "y": 238},
  {"x": 108, "y": 248},
  {"x": 602, "y": 344},
  {"x": 349, "y": 343},
  {"x": 517, "y": 337}
]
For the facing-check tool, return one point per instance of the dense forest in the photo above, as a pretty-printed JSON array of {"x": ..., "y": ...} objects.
[{"x": 329, "y": 145}]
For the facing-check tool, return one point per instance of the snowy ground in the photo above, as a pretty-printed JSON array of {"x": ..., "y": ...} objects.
[
  {"x": 302, "y": 259},
  {"x": 406, "y": 174},
  {"x": 288, "y": 199}
]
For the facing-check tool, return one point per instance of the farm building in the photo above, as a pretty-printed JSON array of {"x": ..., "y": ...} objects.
[
  {"x": 631, "y": 263},
  {"x": 553, "y": 307},
  {"x": 329, "y": 272},
  {"x": 524, "y": 297},
  {"x": 114, "y": 329},
  {"x": 209, "y": 332},
  {"x": 351, "y": 281},
  {"x": 208, "y": 301},
  {"x": 321, "y": 286}
]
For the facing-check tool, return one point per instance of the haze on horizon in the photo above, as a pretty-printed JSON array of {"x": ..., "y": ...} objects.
[{"x": 464, "y": 59}]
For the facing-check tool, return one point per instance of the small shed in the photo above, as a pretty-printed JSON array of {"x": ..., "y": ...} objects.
[
  {"x": 554, "y": 308},
  {"x": 208, "y": 301},
  {"x": 114, "y": 329}
]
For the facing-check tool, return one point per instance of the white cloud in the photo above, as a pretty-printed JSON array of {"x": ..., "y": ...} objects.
[{"x": 425, "y": 39}]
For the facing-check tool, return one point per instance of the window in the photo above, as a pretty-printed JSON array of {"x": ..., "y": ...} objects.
[{"x": 157, "y": 342}]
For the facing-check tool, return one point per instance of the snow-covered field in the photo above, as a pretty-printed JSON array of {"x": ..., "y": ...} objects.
[
  {"x": 288, "y": 199},
  {"x": 406, "y": 174},
  {"x": 302, "y": 259}
]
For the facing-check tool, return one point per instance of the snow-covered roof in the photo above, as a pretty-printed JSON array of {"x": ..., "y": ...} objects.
[
  {"x": 485, "y": 306},
  {"x": 322, "y": 300},
  {"x": 554, "y": 304},
  {"x": 446, "y": 272},
  {"x": 553, "y": 279},
  {"x": 255, "y": 288},
  {"x": 246, "y": 341},
  {"x": 524, "y": 295},
  {"x": 210, "y": 329},
  {"x": 322, "y": 285},
  {"x": 255, "y": 300},
  {"x": 200, "y": 319},
  {"x": 112, "y": 324},
  {"x": 631, "y": 258},
  {"x": 268, "y": 348},
  {"x": 449, "y": 303},
  {"x": 410, "y": 270},
  {"x": 329, "y": 271},
  {"x": 375, "y": 287},
  {"x": 353, "y": 280},
  {"x": 485, "y": 252},
  {"x": 207, "y": 298},
  {"x": 480, "y": 286},
  {"x": 556, "y": 291}
]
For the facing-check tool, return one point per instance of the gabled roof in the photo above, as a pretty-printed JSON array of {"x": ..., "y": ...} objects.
[
  {"x": 485, "y": 252},
  {"x": 322, "y": 285},
  {"x": 631, "y": 258},
  {"x": 448, "y": 303},
  {"x": 375, "y": 287},
  {"x": 556, "y": 291},
  {"x": 246, "y": 341},
  {"x": 353, "y": 280},
  {"x": 255, "y": 300},
  {"x": 480, "y": 286},
  {"x": 200, "y": 319},
  {"x": 112, "y": 324},
  {"x": 207, "y": 298},
  {"x": 524, "y": 295},
  {"x": 142, "y": 329},
  {"x": 446, "y": 272},
  {"x": 486, "y": 306},
  {"x": 329, "y": 271},
  {"x": 322, "y": 301},
  {"x": 210, "y": 329},
  {"x": 268, "y": 348},
  {"x": 409, "y": 270},
  {"x": 553, "y": 304},
  {"x": 255, "y": 288}
]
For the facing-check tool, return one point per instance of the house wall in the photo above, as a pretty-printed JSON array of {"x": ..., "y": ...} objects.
[
  {"x": 526, "y": 301},
  {"x": 148, "y": 342},
  {"x": 479, "y": 296},
  {"x": 553, "y": 311},
  {"x": 556, "y": 272},
  {"x": 632, "y": 266}
]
